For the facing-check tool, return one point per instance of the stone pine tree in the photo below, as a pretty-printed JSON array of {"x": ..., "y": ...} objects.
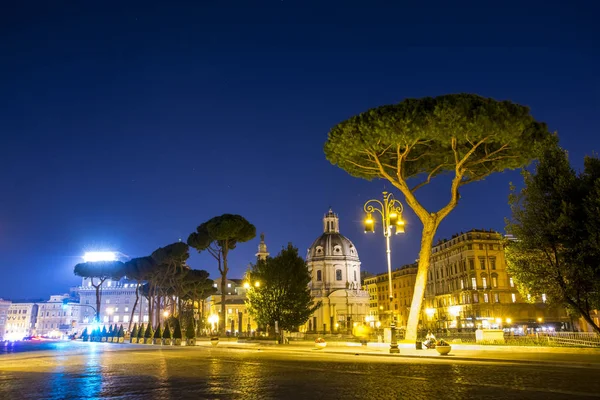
[
  {"x": 218, "y": 236},
  {"x": 97, "y": 272},
  {"x": 138, "y": 269},
  {"x": 463, "y": 135},
  {"x": 283, "y": 294},
  {"x": 556, "y": 221}
]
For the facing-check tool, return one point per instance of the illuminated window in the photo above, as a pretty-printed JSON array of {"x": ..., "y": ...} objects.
[
  {"x": 126, "y": 318},
  {"x": 544, "y": 297},
  {"x": 485, "y": 298},
  {"x": 145, "y": 318},
  {"x": 474, "y": 282},
  {"x": 229, "y": 311},
  {"x": 512, "y": 283},
  {"x": 106, "y": 318},
  {"x": 136, "y": 318},
  {"x": 496, "y": 298},
  {"x": 514, "y": 298},
  {"x": 116, "y": 318},
  {"x": 229, "y": 285},
  {"x": 484, "y": 282},
  {"x": 108, "y": 283},
  {"x": 126, "y": 309},
  {"x": 494, "y": 281},
  {"x": 462, "y": 284}
]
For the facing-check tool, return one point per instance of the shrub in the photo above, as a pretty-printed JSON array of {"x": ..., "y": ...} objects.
[
  {"x": 167, "y": 332},
  {"x": 134, "y": 331},
  {"x": 121, "y": 332},
  {"x": 190, "y": 332},
  {"x": 149, "y": 332},
  {"x": 177, "y": 330},
  {"x": 157, "y": 332}
]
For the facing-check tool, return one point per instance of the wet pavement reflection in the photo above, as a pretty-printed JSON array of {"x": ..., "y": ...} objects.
[{"x": 100, "y": 370}]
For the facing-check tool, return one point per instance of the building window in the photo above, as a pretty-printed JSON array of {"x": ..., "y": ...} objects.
[
  {"x": 355, "y": 277},
  {"x": 494, "y": 281},
  {"x": 126, "y": 318},
  {"x": 484, "y": 282},
  {"x": 469, "y": 247},
  {"x": 480, "y": 246},
  {"x": 475, "y": 298},
  {"x": 319, "y": 275},
  {"x": 126, "y": 309},
  {"x": 471, "y": 264},
  {"x": 496, "y": 298},
  {"x": 116, "y": 318},
  {"x": 338, "y": 274},
  {"x": 493, "y": 263},
  {"x": 511, "y": 282},
  {"x": 145, "y": 318},
  {"x": 106, "y": 318},
  {"x": 474, "y": 282},
  {"x": 107, "y": 301},
  {"x": 485, "y": 298},
  {"x": 482, "y": 263},
  {"x": 229, "y": 285},
  {"x": 462, "y": 284},
  {"x": 136, "y": 318},
  {"x": 514, "y": 298}
]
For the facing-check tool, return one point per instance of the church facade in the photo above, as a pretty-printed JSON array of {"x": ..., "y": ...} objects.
[{"x": 334, "y": 266}]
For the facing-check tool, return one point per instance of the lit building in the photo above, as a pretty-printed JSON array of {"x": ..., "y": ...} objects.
[
  {"x": 469, "y": 286},
  {"x": 380, "y": 306},
  {"x": 4, "y": 307},
  {"x": 334, "y": 266},
  {"x": 20, "y": 320},
  {"x": 55, "y": 318},
  {"x": 116, "y": 303}
]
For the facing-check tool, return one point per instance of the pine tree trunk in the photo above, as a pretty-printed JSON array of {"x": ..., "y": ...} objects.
[
  {"x": 137, "y": 298},
  {"x": 429, "y": 230},
  {"x": 223, "y": 319}
]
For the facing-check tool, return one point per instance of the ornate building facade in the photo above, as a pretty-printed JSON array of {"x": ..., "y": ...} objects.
[
  {"x": 334, "y": 266},
  {"x": 469, "y": 287}
]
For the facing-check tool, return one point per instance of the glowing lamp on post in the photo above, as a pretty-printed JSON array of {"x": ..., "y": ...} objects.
[
  {"x": 96, "y": 256},
  {"x": 399, "y": 226},
  {"x": 393, "y": 218},
  {"x": 369, "y": 224},
  {"x": 257, "y": 284},
  {"x": 246, "y": 285}
]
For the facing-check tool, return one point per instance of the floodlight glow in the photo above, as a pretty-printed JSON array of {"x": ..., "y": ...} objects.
[{"x": 94, "y": 256}]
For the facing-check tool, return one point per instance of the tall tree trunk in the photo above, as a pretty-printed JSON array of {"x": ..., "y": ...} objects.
[
  {"x": 150, "y": 304},
  {"x": 429, "y": 230},
  {"x": 137, "y": 298},
  {"x": 223, "y": 319},
  {"x": 98, "y": 297},
  {"x": 585, "y": 314}
]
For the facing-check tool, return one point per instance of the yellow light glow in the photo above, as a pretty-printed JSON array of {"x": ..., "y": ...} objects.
[
  {"x": 498, "y": 320},
  {"x": 109, "y": 310},
  {"x": 337, "y": 325},
  {"x": 355, "y": 324},
  {"x": 430, "y": 311},
  {"x": 454, "y": 310},
  {"x": 508, "y": 320},
  {"x": 381, "y": 307},
  {"x": 378, "y": 324},
  {"x": 166, "y": 314},
  {"x": 246, "y": 285},
  {"x": 257, "y": 284},
  {"x": 540, "y": 319},
  {"x": 213, "y": 319}
]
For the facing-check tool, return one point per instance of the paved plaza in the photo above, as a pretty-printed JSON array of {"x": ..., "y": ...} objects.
[{"x": 79, "y": 370}]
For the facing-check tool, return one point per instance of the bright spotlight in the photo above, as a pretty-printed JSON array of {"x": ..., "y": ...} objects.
[{"x": 94, "y": 256}]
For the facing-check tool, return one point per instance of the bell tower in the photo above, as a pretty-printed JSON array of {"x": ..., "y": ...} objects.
[
  {"x": 331, "y": 222},
  {"x": 262, "y": 248}
]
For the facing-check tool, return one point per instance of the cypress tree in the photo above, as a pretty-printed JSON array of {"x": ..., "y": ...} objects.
[
  {"x": 134, "y": 332},
  {"x": 190, "y": 332},
  {"x": 167, "y": 332},
  {"x": 177, "y": 330},
  {"x": 148, "y": 334},
  {"x": 140, "y": 334},
  {"x": 157, "y": 332},
  {"x": 104, "y": 333},
  {"x": 121, "y": 332}
]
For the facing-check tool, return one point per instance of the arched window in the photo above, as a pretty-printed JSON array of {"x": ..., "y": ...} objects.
[
  {"x": 319, "y": 275},
  {"x": 355, "y": 275},
  {"x": 338, "y": 274},
  {"x": 494, "y": 280},
  {"x": 319, "y": 250}
]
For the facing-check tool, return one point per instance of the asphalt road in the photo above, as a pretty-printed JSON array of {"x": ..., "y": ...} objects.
[{"x": 96, "y": 370}]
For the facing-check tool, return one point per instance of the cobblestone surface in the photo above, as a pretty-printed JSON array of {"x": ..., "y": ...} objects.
[{"x": 95, "y": 370}]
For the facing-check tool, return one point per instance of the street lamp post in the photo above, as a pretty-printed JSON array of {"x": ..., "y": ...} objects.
[{"x": 391, "y": 217}]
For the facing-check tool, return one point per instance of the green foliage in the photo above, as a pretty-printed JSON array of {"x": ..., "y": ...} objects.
[
  {"x": 139, "y": 268},
  {"x": 141, "y": 331},
  {"x": 283, "y": 294},
  {"x": 224, "y": 231},
  {"x": 121, "y": 332},
  {"x": 134, "y": 331},
  {"x": 176, "y": 330},
  {"x": 166, "y": 332},
  {"x": 190, "y": 332},
  {"x": 431, "y": 134},
  {"x": 149, "y": 333},
  {"x": 158, "y": 332},
  {"x": 556, "y": 221},
  {"x": 100, "y": 269}
]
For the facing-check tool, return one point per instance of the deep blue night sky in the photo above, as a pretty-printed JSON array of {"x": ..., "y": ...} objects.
[{"x": 125, "y": 126}]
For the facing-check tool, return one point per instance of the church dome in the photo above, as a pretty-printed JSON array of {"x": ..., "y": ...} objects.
[{"x": 331, "y": 244}]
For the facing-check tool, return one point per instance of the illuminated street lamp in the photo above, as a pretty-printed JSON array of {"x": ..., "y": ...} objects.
[
  {"x": 391, "y": 217},
  {"x": 213, "y": 320}
]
